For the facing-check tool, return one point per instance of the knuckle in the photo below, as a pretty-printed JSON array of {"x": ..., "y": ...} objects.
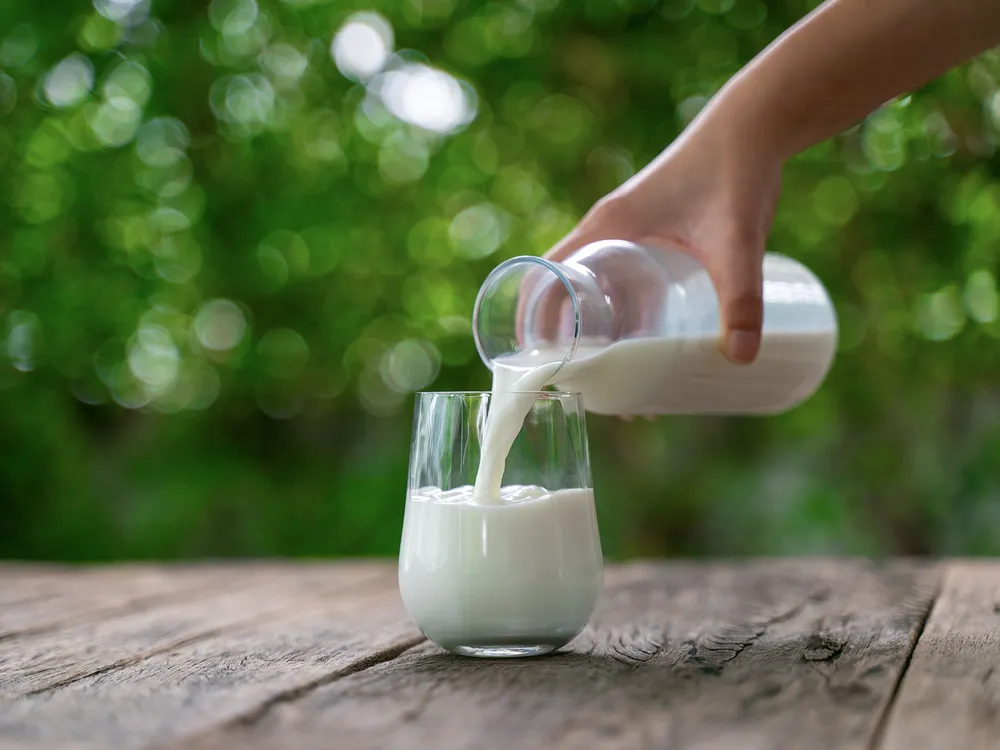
[
  {"x": 611, "y": 213},
  {"x": 745, "y": 310}
]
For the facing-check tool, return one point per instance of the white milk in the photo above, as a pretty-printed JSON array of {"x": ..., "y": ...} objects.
[
  {"x": 511, "y": 400},
  {"x": 525, "y": 570},
  {"x": 492, "y": 565},
  {"x": 686, "y": 375},
  {"x": 652, "y": 376}
]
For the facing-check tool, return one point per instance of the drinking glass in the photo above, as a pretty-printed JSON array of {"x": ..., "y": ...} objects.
[{"x": 515, "y": 576}]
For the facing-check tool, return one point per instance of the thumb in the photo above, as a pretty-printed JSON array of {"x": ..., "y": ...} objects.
[{"x": 737, "y": 275}]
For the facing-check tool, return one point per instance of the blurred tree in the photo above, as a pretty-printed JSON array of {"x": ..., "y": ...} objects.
[{"x": 234, "y": 238}]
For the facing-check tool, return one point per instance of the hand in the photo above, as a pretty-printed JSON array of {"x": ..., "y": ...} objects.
[{"x": 711, "y": 194}]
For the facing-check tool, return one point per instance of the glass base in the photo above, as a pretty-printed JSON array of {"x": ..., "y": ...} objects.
[{"x": 503, "y": 652}]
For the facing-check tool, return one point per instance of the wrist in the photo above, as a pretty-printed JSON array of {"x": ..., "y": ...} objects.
[
  {"x": 739, "y": 121},
  {"x": 738, "y": 136}
]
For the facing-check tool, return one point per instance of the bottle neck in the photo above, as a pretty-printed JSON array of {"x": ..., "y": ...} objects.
[{"x": 534, "y": 306}]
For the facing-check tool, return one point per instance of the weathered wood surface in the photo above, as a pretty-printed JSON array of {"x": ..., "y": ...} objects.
[
  {"x": 951, "y": 695},
  {"x": 768, "y": 654}
]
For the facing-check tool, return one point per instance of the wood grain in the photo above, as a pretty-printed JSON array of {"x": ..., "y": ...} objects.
[
  {"x": 298, "y": 630},
  {"x": 37, "y": 600},
  {"x": 769, "y": 654},
  {"x": 38, "y": 662},
  {"x": 747, "y": 655},
  {"x": 951, "y": 695}
]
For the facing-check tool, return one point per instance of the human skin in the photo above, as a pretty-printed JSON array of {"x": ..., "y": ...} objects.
[{"x": 713, "y": 192}]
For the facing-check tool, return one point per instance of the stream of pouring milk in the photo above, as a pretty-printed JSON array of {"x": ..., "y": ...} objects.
[{"x": 511, "y": 398}]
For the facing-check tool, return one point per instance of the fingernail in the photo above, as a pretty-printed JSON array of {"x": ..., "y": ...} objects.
[{"x": 742, "y": 346}]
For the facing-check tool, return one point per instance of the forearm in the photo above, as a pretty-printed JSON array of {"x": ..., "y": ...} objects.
[{"x": 843, "y": 61}]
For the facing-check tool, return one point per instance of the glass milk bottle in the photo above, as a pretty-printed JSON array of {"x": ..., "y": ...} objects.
[{"x": 637, "y": 331}]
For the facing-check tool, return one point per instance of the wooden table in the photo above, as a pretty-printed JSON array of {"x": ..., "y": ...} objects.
[{"x": 749, "y": 655}]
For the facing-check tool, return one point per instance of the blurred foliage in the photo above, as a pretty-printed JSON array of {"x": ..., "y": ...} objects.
[{"x": 235, "y": 236}]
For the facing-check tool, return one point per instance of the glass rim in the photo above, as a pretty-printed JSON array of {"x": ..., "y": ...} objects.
[
  {"x": 504, "y": 267},
  {"x": 539, "y": 394}
]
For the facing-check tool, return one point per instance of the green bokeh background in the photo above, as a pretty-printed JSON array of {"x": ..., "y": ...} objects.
[{"x": 225, "y": 265}]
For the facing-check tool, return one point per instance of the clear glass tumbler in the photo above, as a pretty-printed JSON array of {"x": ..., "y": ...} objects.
[{"x": 516, "y": 575}]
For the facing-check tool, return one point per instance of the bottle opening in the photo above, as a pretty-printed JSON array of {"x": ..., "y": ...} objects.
[{"x": 530, "y": 305}]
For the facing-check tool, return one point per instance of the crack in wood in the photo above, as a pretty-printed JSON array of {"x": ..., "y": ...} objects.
[
  {"x": 878, "y": 736},
  {"x": 259, "y": 712},
  {"x": 123, "y": 663},
  {"x": 733, "y": 639},
  {"x": 235, "y": 625}
]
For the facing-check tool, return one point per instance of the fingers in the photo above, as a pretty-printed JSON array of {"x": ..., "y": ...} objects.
[
  {"x": 736, "y": 274},
  {"x": 608, "y": 219}
]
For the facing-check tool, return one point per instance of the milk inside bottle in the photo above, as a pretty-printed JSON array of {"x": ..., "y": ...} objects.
[{"x": 637, "y": 330}]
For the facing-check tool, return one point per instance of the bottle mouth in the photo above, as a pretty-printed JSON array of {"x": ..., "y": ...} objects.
[{"x": 526, "y": 304}]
